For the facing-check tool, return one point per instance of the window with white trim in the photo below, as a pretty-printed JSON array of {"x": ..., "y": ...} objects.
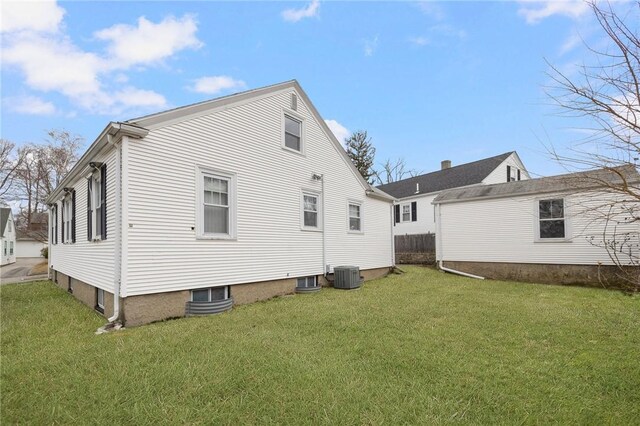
[
  {"x": 551, "y": 219},
  {"x": 406, "y": 212},
  {"x": 310, "y": 210},
  {"x": 216, "y": 214},
  {"x": 355, "y": 217},
  {"x": 10, "y": 248},
  {"x": 100, "y": 300},
  {"x": 210, "y": 294},
  {"x": 9, "y": 225},
  {"x": 96, "y": 192},
  {"x": 67, "y": 207},
  {"x": 292, "y": 132},
  {"x": 306, "y": 282},
  {"x": 5, "y": 248}
]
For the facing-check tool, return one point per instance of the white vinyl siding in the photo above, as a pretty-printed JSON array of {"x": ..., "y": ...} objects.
[
  {"x": 88, "y": 261},
  {"x": 504, "y": 230},
  {"x": 164, "y": 253},
  {"x": 499, "y": 174}
]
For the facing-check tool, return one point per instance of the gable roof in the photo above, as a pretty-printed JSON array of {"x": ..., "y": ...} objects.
[
  {"x": 463, "y": 175},
  {"x": 139, "y": 127},
  {"x": 579, "y": 181},
  {"x": 5, "y": 212}
]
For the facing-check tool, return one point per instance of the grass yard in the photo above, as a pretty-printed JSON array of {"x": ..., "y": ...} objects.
[{"x": 423, "y": 347}]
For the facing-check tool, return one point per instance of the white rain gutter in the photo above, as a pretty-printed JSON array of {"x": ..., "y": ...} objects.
[
  {"x": 324, "y": 231},
  {"x": 439, "y": 236}
]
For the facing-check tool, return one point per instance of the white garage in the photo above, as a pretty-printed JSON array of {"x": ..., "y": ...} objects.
[{"x": 26, "y": 247}]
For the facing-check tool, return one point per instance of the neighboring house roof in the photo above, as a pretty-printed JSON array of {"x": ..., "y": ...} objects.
[
  {"x": 140, "y": 127},
  {"x": 579, "y": 181},
  {"x": 5, "y": 212},
  {"x": 453, "y": 177}
]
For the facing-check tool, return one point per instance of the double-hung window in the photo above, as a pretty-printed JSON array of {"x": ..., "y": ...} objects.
[
  {"x": 69, "y": 217},
  {"x": 311, "y": 211},
  {"x": 96, "y": 205},
  {"x": 551, "y": 219},
  {"x": 293, "y": 133},
  {"x": 54, "y": 224},
  {"x": 355, "y": 217},
  {"x": 407, "y": 212},
  {"x": 216, "y": 206}
]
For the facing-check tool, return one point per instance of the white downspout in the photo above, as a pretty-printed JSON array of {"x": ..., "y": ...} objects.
[
  {"x": 49, "y": 254},
  {"x": 393, "y": 237},
  {"x": 439, "y": 246},
  {"x": 117, "y": 255},
  {"x": 324, "y": 231}
]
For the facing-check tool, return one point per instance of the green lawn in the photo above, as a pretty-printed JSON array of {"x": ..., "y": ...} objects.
[{"x": 423, "y": 347}]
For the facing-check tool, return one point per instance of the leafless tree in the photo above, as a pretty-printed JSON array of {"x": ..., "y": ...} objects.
[
  {"x": 608, "y": 94},
  {"x": 10, "y": 161},
  {"x": 393, "y": 171}
]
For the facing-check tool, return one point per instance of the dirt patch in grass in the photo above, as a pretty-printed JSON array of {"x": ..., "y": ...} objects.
[{"x": 39, "y": 269}]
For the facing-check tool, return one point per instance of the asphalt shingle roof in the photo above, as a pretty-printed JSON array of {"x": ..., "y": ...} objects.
[
  {"x": 561, "y": 183},
  {"x": 454, "y": 177},
  {"x": 4, "y": 217}
]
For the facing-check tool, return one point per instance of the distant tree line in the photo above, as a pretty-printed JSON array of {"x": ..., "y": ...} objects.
[{"x": 30, "y": 172}]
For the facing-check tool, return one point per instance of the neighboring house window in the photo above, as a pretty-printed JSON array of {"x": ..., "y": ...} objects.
[
  {"x": 513, "y": 174},
  {"x": 407, "y": 212},
  {"x": 10, "y": 248},
  {"x": 310, "y": 210},
  {"x": 100, "y": 300},
  {"x": 551, "y": 218},
  {"x": 355, "y": 217},
  {"x": 5, "y": 248},
  {"x": 97, "y": 205},
  {"x": 210, "y": 294},
  {"x": 9, "y": 226},
  {"x": 216, "y": 215},
  {"x": 308, "y": 281},
  {"x": 292, "y": 133}
]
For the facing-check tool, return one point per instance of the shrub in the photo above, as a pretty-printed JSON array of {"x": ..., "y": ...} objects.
[{"x": 45, "y": 252}]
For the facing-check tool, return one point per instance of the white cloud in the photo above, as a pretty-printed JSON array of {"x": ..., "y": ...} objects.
[
  {"x": 340, "y": 132},
  {"x": 419, "y": 41},
  {"x": 40, "y": 16},
  {"x": 30, "y": 105},
  {"x": 570, "y": 43},
  {"x": 432, "y": 10},
  {"x": 51, "y": 62},
  {"x": 294, "y": 15},
  {"x": 536, "y": 11},
  {"x": 216, "y": 84},
  {"x": 149, "y": 42},
  {"x": 370, "y": 46}
]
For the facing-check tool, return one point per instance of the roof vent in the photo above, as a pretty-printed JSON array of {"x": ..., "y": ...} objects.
[
  {"x": 294, "y": 102},
  {"x": 417, "y": 188},
  {"x": 445, "y": 164}
]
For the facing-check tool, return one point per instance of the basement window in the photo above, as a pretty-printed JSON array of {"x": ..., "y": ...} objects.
[
  {"x": 210, "y": 294},
  {"x": 100, "y": 300},
  {"x": 308, "y": 281}
]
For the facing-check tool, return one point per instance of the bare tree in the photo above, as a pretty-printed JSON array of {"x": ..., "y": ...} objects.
[
  {"x": 608, "y": 93},
  {"x": 393, "y": 171},
  {"x": 10, "y": 161}
]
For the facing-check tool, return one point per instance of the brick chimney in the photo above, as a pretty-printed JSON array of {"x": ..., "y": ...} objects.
[{"x": 445, "y": 164}]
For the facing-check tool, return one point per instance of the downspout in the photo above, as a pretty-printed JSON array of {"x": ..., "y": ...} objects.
[
  {"x": 49, "y": 254},
  {"x": 439, "y": 256},
  {"x": 117, "y": 254},
  {"x": 324, "y": 231},
  {"x": 393, "y": 237}
]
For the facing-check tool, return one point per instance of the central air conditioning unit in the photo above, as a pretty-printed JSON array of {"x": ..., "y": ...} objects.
[{"x": 346, "y": 277}]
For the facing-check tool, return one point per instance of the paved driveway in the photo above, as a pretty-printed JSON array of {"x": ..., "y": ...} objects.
[{"x": 17, "y": 272}]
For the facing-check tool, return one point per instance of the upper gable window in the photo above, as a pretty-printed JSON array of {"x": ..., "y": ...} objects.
[{"x": 292, "y": 132}]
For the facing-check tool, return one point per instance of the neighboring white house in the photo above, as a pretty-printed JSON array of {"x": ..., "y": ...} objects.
[
  {"x": 236, "y": 199},
  {"x": 7, "y": 236},
  {"x": 414, "y": 211},
  {"x": 551, "y": 229},
  {"x": 29, "y": 247}
]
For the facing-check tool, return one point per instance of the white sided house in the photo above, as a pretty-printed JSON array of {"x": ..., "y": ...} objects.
[
  {"x": 552, "y": 230},
  {"x": 414, "y": 211},
  {"x": 223, "y": 202},
  {"x": 7, "y": 236}
]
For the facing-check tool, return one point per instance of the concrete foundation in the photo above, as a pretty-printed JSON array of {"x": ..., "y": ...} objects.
[
  {"x": 138, "y": 310},
  {"x": 587, "y": 275}
]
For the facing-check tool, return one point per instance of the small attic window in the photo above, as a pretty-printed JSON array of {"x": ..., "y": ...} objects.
[{"x": 294, "y": 102}]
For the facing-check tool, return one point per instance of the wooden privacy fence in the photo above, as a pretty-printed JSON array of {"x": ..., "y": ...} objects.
[{"x": 421, "y": 243}]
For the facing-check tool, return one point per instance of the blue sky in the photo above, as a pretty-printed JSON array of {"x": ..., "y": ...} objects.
[{"x": 428, "y": 80}]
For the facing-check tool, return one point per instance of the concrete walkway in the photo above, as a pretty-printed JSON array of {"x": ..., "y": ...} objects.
[{"x": 19, "y": 271}]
